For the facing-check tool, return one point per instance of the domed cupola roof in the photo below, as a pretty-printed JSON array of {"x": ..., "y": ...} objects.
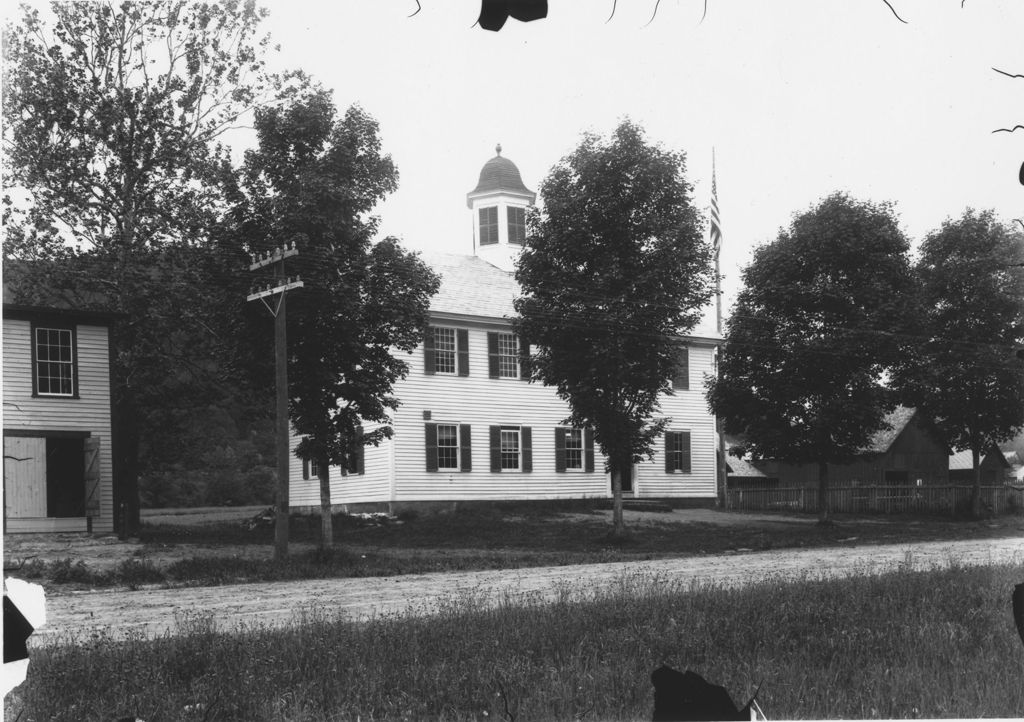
[{"x": 501, "y": 175}]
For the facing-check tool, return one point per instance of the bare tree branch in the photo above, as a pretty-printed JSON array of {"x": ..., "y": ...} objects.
[{"x": 1008, "y": 75}]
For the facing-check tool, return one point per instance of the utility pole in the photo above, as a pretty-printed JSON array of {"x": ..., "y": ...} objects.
[{"x": 280, "y": 286}]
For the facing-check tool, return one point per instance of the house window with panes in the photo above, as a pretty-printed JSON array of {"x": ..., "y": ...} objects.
[
  {"x": 511, "y": 448},
  {"x": 447, "y": 447},
  {"x": 444, "y": 350},
  {"x": 677, "y": 451},
  {"x": 516, "y": 225},
  {"x": 574, "y": 449},
  {"x": 488, "y": 225},
  {"x": 508, "y": 356},
  {"x": 54, "y": 361}
]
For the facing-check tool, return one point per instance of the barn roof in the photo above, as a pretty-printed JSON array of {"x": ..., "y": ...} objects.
[{"x": 897, "y": 420}]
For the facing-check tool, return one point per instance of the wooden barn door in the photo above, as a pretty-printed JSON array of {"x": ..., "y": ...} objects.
[{"x": 24, "y": 477}]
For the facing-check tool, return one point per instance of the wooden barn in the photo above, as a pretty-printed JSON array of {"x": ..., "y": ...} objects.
[
  {"x": 56, "y": 420},
  {"x": 470, "y": 428},
  {"x": 907, "y": 454},
  {"x": 995, "y": 467}
]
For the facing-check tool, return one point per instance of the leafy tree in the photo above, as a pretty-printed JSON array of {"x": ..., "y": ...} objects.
[
  {"x": 965, "y": 372},
  {"x": 112, "y": 115},
  {"x": 811, "y": 334},
  {"x": 313, "y": 181},
  {"x": 615, "y": 269}
]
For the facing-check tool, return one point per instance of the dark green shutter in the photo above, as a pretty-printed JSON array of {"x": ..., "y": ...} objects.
[
  {"x": 588, "y": 449},
  {"x": 526, "y": 439},
  {"x": 462, "y": 344},
  {"x": 525, "y": 366},
  {"x": 428, "y": 351},
  {"x": 492, "y": 354},
  {"x": 559, "y": 448},
  {"x": 669, "y": 461},
  {"x": 682, "y": 377},
  {"x": 360, "y": 455},
  {"x": 495, "y": 448},
  {"x": 431, "y": 446},
  {"x": 465, "y": 448},
  {"x": 305, "y": 469}
]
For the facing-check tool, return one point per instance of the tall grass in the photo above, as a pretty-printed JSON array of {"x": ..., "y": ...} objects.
[{"x": 905, "y": 644}]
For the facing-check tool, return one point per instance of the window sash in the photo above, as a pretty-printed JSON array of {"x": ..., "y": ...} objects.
[
  {"x": 445, "y": 348},
  {"x": 574, "y": 449},
  {"x": 510, "y": 449},
  {"x": 508, "y": 356},
  {"x": 447, "y": 447},
  {"x": 55, "y": 361}
]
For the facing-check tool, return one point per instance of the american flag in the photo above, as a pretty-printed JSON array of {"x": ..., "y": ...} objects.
[{"x": 716, "y": 223}]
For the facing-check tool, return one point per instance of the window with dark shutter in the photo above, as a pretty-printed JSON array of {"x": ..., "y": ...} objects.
[
  {"x": 526, "y": 436},
  {"x": 463, "y": 345},
  {"x": 305, "y": 469},
  {"x": 465, "y": 448},
  {"x": 677, "y": 451},
  {"x": 559, "y": 448},
  {"x": 682, "y": 377},
  {"x": 495, "y": 439},
  {"x": 488, "y": 226},
  {"x": 492, "y": 354},
  {"x": 431, "y": 446},
  {"x": 428, "y": 351},
  {"x": 588, "y": 449}
]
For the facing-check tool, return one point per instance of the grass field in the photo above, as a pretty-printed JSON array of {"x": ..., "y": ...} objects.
[
  {"x": 497, "y": 536},
  {"x": 901, "y": 645}
]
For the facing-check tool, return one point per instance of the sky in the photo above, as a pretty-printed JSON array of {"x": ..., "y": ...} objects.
[{"x": 798, "y": 98}]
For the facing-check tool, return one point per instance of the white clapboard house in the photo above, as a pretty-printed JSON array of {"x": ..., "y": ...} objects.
[
  {"x": 470, "y": 428},
  {"x": 56, "y": 420}
]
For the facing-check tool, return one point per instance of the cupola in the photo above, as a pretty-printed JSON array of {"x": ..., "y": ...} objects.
[{"x": 499, "y": 204}]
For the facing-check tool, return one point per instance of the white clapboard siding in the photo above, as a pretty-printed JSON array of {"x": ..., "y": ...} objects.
[
  {"x": 396, "y": 471},
  {"x": 374, "y": 485},
  {"x": 482, "y": 401},
  {"x": 687, "y": 410},
  {"x": 88, "y": 413}
]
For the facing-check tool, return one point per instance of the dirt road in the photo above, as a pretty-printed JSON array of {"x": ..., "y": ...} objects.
[{"x": 158, "y": 611}]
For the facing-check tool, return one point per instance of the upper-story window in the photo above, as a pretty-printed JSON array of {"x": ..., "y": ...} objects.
[
  {"x": 54, "y": 361},
  {"x": 516, "y": 225},
  {"x": 445, "y": 350},
  {"x": 488, "y": 225},
  {"x": 508, "y": 356}
]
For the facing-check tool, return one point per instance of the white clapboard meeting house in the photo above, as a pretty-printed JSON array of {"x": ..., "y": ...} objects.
[
  {"x": 471, "y": 428},
  {"x": 56, "y": 420}
]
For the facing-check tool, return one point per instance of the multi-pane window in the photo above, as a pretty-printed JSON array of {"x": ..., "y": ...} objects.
[
  {"x": 314, "y": 468},
  {"x": 444, "y": 350},
  {"x": 448, "y": 447},
  {"x": 510, "y": 447},
  {"x": 488, "y": 225},
  {"x": 677, "y": 451},
  {"x": 508, "y": 356},
  {"x": 516, "y": 225},
  {"x": 574, "y": 449},
  {"x": 55, "y": 363}
]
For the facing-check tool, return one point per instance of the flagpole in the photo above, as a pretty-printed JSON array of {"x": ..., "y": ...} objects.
[{"x": 716, "y": 242}]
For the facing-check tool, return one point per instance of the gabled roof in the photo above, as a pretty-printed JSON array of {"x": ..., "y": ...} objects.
[
  {"x": 897, "y": 421},
  {"x": 964, "y": 460},
  {"x": 471, "y": 286}
]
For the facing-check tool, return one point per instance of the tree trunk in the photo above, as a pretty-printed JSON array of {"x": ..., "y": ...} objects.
[
  {"x": 326, "y": 522},
  {"x": 823, "y": 517},
  {"x": 618, "y": 525},
  {"x": 976, "y": 484},
  {"x": 125, "y": 448}
]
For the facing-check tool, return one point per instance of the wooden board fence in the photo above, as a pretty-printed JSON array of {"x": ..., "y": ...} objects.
[{"x": 881, "y": 499}]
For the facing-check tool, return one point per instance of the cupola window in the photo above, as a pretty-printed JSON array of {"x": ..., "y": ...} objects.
[
  {"x": 488, "y": 225},
  {"x": 517, "y": 225}
]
